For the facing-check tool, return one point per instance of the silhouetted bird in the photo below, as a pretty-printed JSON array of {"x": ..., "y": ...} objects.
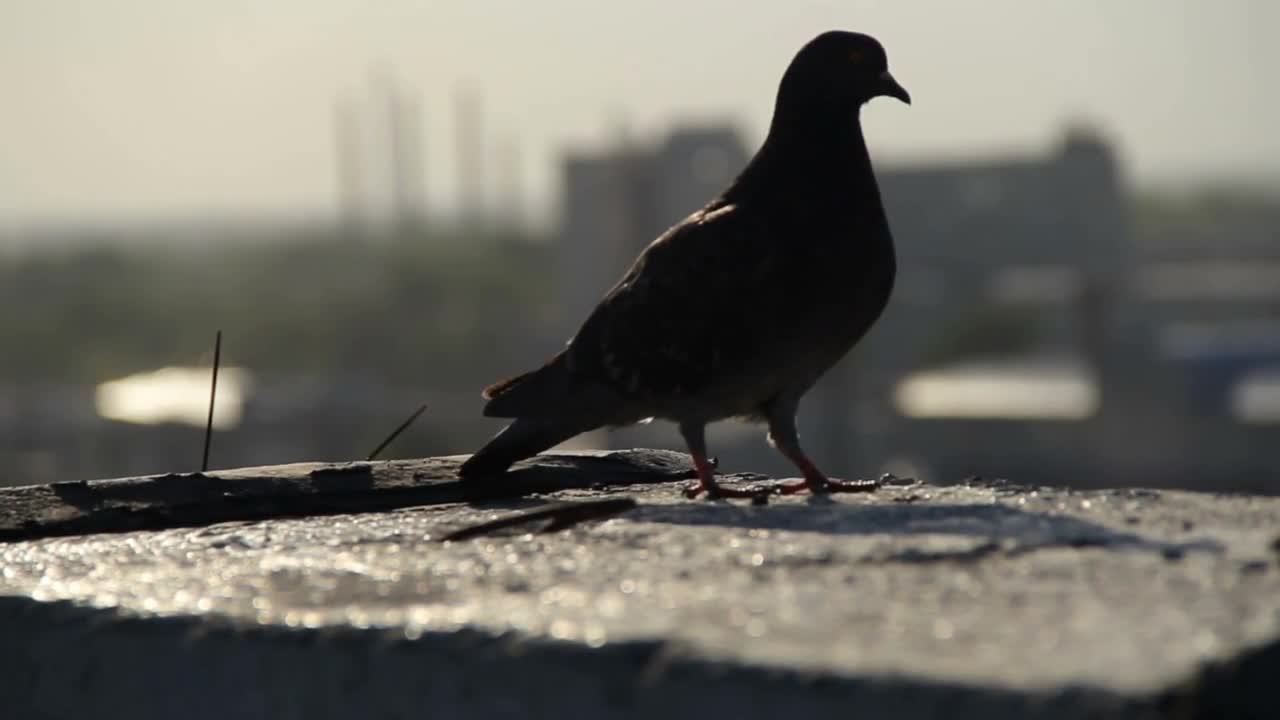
[{"x": 737, "y": 310}]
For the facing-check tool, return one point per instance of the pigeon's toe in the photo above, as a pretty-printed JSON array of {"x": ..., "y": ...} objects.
[{"x": 823, "y": 486}]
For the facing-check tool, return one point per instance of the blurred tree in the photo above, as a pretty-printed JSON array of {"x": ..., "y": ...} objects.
[{"x": 402, "y": 308}]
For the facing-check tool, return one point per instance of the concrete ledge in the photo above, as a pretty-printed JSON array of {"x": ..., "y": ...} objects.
[{"x": 980, "y": 600}]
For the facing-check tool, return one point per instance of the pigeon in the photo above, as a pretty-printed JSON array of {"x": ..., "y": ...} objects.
[{"x": 737, "y": 310}]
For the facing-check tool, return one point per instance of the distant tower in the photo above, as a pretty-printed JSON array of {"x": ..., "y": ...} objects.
[
  {"x": 348, "y": 170},
  {"x": 404, "y": 129},
  {"x": 378, "y": 157},
  {"x": 469, "y": 147},
  {"x": 510, "y": 188}
]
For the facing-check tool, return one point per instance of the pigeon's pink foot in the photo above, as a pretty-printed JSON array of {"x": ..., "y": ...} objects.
[
  {"x": 816, "y": 482},
  {"x": 707, "y": 483}
]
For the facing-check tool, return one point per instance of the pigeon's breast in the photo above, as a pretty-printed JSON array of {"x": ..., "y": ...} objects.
[{"x": 844, "y": 289}]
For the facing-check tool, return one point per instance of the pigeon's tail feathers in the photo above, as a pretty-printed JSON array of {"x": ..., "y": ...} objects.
[
  {"x": 502, "y": 386},
  {"x": 533, "y": 393},
  {"x": 521, "y": 439}
]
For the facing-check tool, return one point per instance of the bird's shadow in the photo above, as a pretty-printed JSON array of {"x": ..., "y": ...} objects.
[{"x": 1010, "y": 529}]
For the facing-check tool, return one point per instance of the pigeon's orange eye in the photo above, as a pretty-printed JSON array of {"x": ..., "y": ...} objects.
[{"x": 855, "y": 56}]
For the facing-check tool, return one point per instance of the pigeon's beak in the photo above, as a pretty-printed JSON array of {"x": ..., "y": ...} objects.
[{"x": 890, "y": 87}]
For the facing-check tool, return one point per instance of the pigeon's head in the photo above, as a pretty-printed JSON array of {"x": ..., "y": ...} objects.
[{"x": 839, "y": 70}]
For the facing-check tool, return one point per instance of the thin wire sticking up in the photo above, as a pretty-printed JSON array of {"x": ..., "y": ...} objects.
[
  {"x": 396, "y": 433},
  {"x": 213, "y": 393}
]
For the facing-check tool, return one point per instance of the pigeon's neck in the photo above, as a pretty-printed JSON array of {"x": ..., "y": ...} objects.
[{"x": 822, "y": 154}]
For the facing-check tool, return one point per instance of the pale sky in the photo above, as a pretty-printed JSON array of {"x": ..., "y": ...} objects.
[{"x": 134, "y": 109}]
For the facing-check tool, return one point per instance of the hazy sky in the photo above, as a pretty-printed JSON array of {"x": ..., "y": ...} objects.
[{"x": 141, "y": 108}]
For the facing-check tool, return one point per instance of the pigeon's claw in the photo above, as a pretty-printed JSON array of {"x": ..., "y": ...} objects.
[{"x": 816, "y": 481}]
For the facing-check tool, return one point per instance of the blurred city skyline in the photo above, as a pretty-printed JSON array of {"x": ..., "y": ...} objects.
[{"x": 140, "y": 109}]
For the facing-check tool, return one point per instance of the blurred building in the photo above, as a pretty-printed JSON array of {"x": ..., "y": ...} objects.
[
  {"x": 1010, "y": 327},
  {"x": 1208, "y": 284},
  {"x": 1032, "y": 230}
]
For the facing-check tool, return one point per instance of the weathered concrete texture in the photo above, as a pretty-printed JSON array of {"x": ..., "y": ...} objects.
[{"x": 916, "y": 601}]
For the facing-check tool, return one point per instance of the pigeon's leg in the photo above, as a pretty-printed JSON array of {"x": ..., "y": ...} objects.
[
  {"x": 783, "y": 436},
  {"x": 695, "y": 436}
]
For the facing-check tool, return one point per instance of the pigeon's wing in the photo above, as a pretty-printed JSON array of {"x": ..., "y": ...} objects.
[{"x": 689, "y": 310}]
